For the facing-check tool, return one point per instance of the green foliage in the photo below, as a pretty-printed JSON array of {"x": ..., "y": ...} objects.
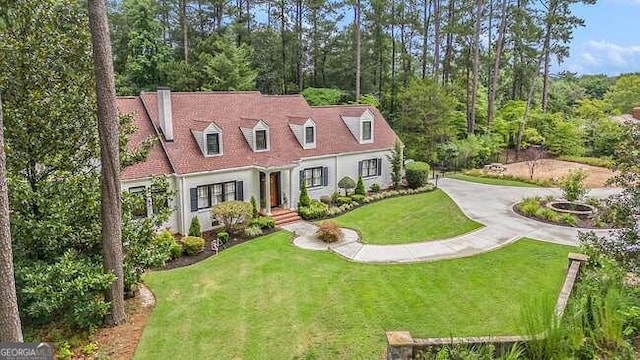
[
  {"x": 264, "y": 222},
  {"x": 254, "y": 208},
  {"x": 342, "y": 200},
  {"x": 593, "y": 161},
  {"x": 530, "y": 206},
  {"x": 547, "y": 214},
  {"x": 487, "y": 175},
  {"x": 569, "y": 219},
  {"x": 358, "y": 198},
  {"x": 223, "y": 236},
  {"x": 329, "y": 231},
  {"x": 375, "y": 188},
  {"x": 624, "y": 94},
  {"x": 369, "y": 99},
  {"x": 234, "y": 215},
  {"x": 223, "y": 65},
  {"x": 360, "y": 190},
  {"x": 573, "y": 185},
  {"x": 194, "y": 227},
  {"x": 417, "y": 174},
  {"x": 253, "y": 231},
  {"x": 346, "y": 184},
  {"x": 165, "y": 240},
  {"x": 396, "y": 160},
  {"x": 192, "y": 245},
  {"x": 322, "y": 96},
  {"x": 565, "y": 139},
  {"x": 315, "y": 210},
  {"x": 305, "y": 199}
]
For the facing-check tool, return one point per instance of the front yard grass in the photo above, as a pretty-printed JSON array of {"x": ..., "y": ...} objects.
[
  {"x": 490, "y": 181},
  {"x": 415, "y": 218},
  {"x": 267, "y": 299}
]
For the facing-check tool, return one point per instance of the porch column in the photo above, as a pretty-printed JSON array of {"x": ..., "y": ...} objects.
[
  {"x": 267, "y": 190},
  {"x": 290, "y": 204}
]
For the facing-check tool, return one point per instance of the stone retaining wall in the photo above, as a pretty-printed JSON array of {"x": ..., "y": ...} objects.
[{"x": 401, "y": 346}]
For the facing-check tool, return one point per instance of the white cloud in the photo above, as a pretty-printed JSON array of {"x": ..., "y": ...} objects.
[{"x": 600, "y": 56}]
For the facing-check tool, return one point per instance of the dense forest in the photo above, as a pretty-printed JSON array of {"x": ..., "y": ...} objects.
[{"x": 458, "y": 80}]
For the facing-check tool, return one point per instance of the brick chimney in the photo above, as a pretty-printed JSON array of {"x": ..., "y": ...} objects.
[
  {"x": 164, "y": 112},
  {"x": 636, "y": 113}
]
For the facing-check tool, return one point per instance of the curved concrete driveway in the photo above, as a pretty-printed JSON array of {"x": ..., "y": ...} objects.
[{"x": 490, "y": 205}]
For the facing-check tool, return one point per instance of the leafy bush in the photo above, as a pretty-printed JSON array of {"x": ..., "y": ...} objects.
[
  {"x": 264, "y": 222},
  {"x": 329, "y": 232},
  {"x": 481, "y": 174},
  {"x": 573, "y": 185},
  {"x": 530, "y": 206},
  {"x": 305, "y": 200},
  {"x": 346, "y": 184},
  {"x": 358, "y": 198},
  {"x": 253, "y": 231},
  {"x": 374, "y": 188},
  {"x": 192, "y": 245},
  {"x": 548, "y": 214},
  {"x": 360, "y": 187},
  {"x": 234, "y": 215},
  {"x": 223, "y": 236},
  {"x": 315, "y": 210},
  {"x": 322, "y": 96},
  {"x": 194, "y": 228},
  {"x": 326, "y": 199},
  {"x": 334, "y": 197},
  {"x": 344, "y": 200},
  {"x": 570, "y": 220},
  {"x": 417, "y": 174},
  {"x": 254, "y": 208},
  {"x": 166, "y": 240},
  {"x": 593, "y": 161}
]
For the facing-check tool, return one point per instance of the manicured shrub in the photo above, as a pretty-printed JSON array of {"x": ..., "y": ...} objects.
[
  {"x": 417, "y": 174},
  {"x": 358, "y": 198},
  {"x": 530, "y": 206},
  {"x": 326, "y": 199},
  {"x": 374, "y": 188},
  {"x": 570, "y": 220},
  {"x": 253, "y": 231},
  {"x": 166, "y": 240},
  {"x": 192, "y": 245},
  {"x": 343, "y": 200},
  {"x": 548, "y": 214},
  {"x": 264, "y": 222},
  {"x": 329, "y": 232},
  {"x": 254, "y": 208},
  {"x": 194, "y": 227},
  {"x": 360, "y": 187},
  {"x": 334, "y": 197},
  {"x": 315, "y": 210},
  {"x": 573, "y": 185},
  {"x": 346, "y": 184},
  {"x": 305, "y": 200},
  {"x": 234, "y": 215},
  {"x": 223, "y": 236}
]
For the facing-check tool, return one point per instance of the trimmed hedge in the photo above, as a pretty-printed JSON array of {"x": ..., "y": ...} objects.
[
  {"x": 192, "y": 245},
  {"x": 417, "y": 174},
  {"x": 315, "y": 210}
]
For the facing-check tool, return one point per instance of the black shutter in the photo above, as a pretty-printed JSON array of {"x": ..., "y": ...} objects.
[
  {"x": 301, "y": 178},
  {"x": 359, "y": 168},
  {"x": 239, "y": 191},
  {"x": 194, "y": 199},
  {"x": 325, "y": 176},
  {"x": 379, "y": 166}
]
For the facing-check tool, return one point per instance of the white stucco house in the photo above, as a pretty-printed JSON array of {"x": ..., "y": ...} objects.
[{"x": 221, "y": 146}]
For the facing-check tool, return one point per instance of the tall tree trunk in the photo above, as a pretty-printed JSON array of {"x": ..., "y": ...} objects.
[
  {"x": 546, "y": 50},
  {"x": 425, "y": 39},
  {"x": 10, "y": 326},
  {"x": 356, "y": 20},
  {"x": 448, "y": 56},
  {"x": 495, "y": 70},
  {"x": 185, "y": 33},
  {"x": 299, "y": 60},
  {"x": 471, "y": 120},
  {"x": 393, "y": 57},
  {"x": 284, "y": 45},
  {"x": 527, "y": 107},
  {"x": 436, "y": 38},
  {"x": 108, "y": 128}
]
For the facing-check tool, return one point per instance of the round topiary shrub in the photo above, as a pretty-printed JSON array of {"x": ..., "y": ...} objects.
[
  {"x": 168, "y": 243},
  {"x": 329, "y": 232},
  {"x": 417, "y": 174},
  {"x": 192, "y": 245}
]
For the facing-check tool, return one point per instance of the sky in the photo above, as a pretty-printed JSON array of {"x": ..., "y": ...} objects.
[{"x": 609, "y": 43}]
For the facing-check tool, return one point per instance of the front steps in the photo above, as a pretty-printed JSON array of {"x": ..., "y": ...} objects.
[{"x": 284, "y": 216}]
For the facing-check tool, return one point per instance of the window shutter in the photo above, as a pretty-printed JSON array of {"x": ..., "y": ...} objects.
[
  {"x": 325, "y": 176},
  {"x": 301, "y": 178},
  {"x": 379, "y": 166},
  {"x": 194, "y": 199},
  {"x": 239, "y": 191},
  {"x": 359, "y": 168}
]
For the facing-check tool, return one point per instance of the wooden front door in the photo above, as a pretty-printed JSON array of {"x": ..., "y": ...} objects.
[{"x": 274, "y": 183}]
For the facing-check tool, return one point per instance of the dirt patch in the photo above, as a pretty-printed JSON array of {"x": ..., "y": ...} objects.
[
  {"x": 120, "y": 342},
  {"x": 551, "y": 169}
]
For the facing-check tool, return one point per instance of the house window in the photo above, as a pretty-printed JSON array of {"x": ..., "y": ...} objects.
[
  {"x": 366, "y": 130},
  {"x": 217, "y": 195},
  {"x": 261, "y": 139},
  {"x": 213, "y": 144},
  {"x": 313, "y": 177},
  {"x": 209, "y": 195},
  {"x": 309, "y": 135},
  {"x": 203, "y": 197},
  {"x": 370, "y": 168},
  {"x": 140, "y": 207},
  {"x": 229, "y": 191}
]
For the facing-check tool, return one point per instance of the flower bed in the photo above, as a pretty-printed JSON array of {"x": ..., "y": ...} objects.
[{"x": 537, "y": 208}]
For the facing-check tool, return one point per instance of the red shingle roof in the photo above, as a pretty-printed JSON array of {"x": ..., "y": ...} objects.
[{"x": 231, "y": 111}]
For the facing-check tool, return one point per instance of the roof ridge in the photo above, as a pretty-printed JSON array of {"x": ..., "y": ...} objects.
[
  {"x": 341, "y": 105},
  {"x": 223, "y": 92},
  {"x": 127, "y": 97}
]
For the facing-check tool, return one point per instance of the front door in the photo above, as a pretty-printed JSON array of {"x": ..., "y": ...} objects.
[{"x": 274, "y": 183}]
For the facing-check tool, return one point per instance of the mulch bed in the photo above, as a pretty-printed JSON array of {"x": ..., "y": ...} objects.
[
  {"x": 208, "y": 237},
  {"x": 584, "y": 223}
]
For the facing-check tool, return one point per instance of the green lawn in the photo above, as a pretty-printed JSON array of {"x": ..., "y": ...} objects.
[
  {"x": 267, "y": 299},
  {"x": 427, "y": 216},
  {"x": 490, "y": 181}
]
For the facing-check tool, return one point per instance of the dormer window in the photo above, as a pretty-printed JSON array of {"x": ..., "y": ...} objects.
[
  {"x": 261, "y": 140},
  {"x": 309, "y": 135},
  {"x": 213, "y": 144},
  {"x": 366, "y": 130}
]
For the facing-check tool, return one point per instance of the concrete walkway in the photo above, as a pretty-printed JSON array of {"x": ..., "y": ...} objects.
[{"x": 490, "y": 205}]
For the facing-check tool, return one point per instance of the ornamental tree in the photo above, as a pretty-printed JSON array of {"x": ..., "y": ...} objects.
[
  {"x": 234, "y": 215},
  {"x": 346, "y": 183}
]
